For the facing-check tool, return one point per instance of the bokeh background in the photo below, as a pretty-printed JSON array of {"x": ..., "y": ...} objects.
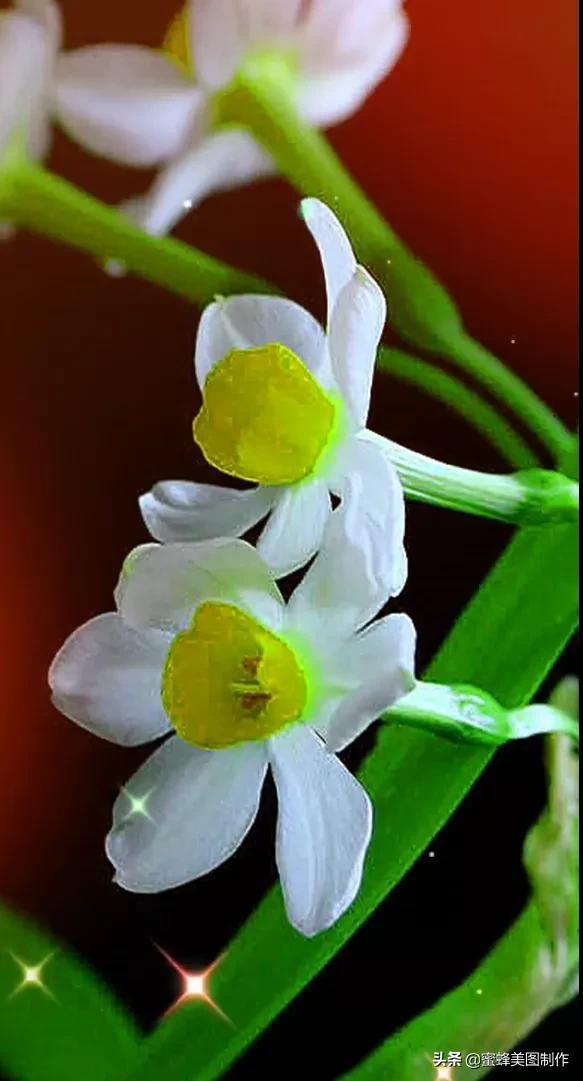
[{"x": 469, "y": 147}]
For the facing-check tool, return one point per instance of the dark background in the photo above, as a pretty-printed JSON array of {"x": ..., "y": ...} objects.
[{"x": 469, "y": 148}]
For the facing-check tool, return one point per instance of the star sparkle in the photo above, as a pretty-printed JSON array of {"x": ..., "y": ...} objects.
[
  {"x": 194, "y": 985},
  {"x": 32, "y": 975},
  {"x": 138, "y": 805}
]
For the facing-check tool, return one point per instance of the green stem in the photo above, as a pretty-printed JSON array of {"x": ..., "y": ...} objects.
[
  {"x": 33, "y": 198},
  {"x": 471, "y": 406},
  {"x": 262, "y": 99},
  {"x": 529, "y": 497},
  {"x": 505, "y": 642}
]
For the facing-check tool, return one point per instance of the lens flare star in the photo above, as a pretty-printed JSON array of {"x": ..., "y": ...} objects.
[
  {"x": 32, "y": 976},
  {"x": 195, "y": 985},
  {"x": 137, "y": 805}
]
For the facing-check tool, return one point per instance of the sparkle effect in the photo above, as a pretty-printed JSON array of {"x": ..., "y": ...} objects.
[
  {"x": 138, "y": 805},
  {"x": 195, "y": 986},
  {"x": 32, "y": 976}
]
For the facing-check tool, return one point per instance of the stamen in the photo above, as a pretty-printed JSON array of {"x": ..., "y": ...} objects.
[{"x": 229, "y": 680}]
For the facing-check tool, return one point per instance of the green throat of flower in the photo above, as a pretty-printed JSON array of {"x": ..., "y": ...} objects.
[
  {"x": 229, "y": 680},
  {"x": 265, "y": 418}
]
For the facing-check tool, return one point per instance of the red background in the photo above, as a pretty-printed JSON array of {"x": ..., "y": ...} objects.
[{"x": 469, "y": 149}]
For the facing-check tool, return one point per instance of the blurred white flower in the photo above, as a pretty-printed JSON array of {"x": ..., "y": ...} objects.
[
  {"x": 203, "y": 643},
  {"x": 141, "y": 107},
  {"x": 285, "y": 405},
  {"x": 30, "y": 34}
]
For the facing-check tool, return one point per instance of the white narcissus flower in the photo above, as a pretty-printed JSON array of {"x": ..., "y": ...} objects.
[
  {"x": 141, "y": 107},
  {"x": 285, "y": 405},
  {"x": 202, "y": 643}
]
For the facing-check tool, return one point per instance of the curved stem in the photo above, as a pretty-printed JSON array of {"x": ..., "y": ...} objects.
[
  {"x": 262, "y": 99},
  {"x": 36, "y": 199},
  {"x": 470, "y": 405}
]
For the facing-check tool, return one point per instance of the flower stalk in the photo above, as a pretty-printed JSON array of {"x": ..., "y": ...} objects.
[
  {"x": 33, "y": 198},
  {"x": 470, "y": 715},
  {"x": 527, "y": 497},
  {"x": 262, "y": 99}
]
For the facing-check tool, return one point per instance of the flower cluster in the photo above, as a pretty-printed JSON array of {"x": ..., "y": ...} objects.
[
  {"x": 149, "y": 107},
  {"x": 202, "y": 647}
]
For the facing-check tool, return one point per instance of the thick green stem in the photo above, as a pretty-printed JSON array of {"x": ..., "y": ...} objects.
[
  {"x": 505, "y": 642},
  {"x": 262, "y": 99},
  {"x": 529, "y": 497},
  {"x": 471, "y": 406},
  {"x": 33, "y": 198}
]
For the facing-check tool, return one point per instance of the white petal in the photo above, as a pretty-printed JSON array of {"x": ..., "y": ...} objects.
[
  {"x": 127, "y": 103},
  {"x": 338, "y": 33},
  {"x": 323, "y": 830},
  {"x": 224, "y": 31},
  {"x": 383, "y": 504},
  {"x": 199, "y": 806},
  {"x": 295, "y": 527},
  {"x": 161, "y": 585},
  {"x": 218, "y": 40},
  {"x": 380, "y": 664},
  {"x": 108, "y": 677},
  {"x": 46, "y": 13},
  {"x": 180, "y": 510},
  {"x": 336, "y": 253},
  {"x": 219, "y": 162},
  {"x": 336, "y": 84},
  {"x": 269, "y": 21},
  {"x": 244, "y": 322},
  {"x": 360, "y": 562},
  {"x": 26, "y": 57},
  {"x": 354, "y": 335}
]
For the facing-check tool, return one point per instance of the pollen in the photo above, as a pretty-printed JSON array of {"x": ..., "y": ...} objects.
[
  {"x": 264, "y": 417},
  {"x": 228, "y": 680},
  {"x": 176, "y": 42}
]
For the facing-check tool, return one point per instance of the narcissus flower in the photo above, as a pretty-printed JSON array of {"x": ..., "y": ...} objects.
[
  {"x": 30, "y": 34},
  {"x": 141, "y": 107},
  {"x": 203, "y": 646},
  {"x": 285, "y": 405}
]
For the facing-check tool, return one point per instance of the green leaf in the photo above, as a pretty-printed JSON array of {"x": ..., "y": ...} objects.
[
  {"x": 467, "y": 714},
  {"x": 506, "y": 640},
  {"x": 530, "y": 972},
  {"x": 62, "y": 1025}
]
